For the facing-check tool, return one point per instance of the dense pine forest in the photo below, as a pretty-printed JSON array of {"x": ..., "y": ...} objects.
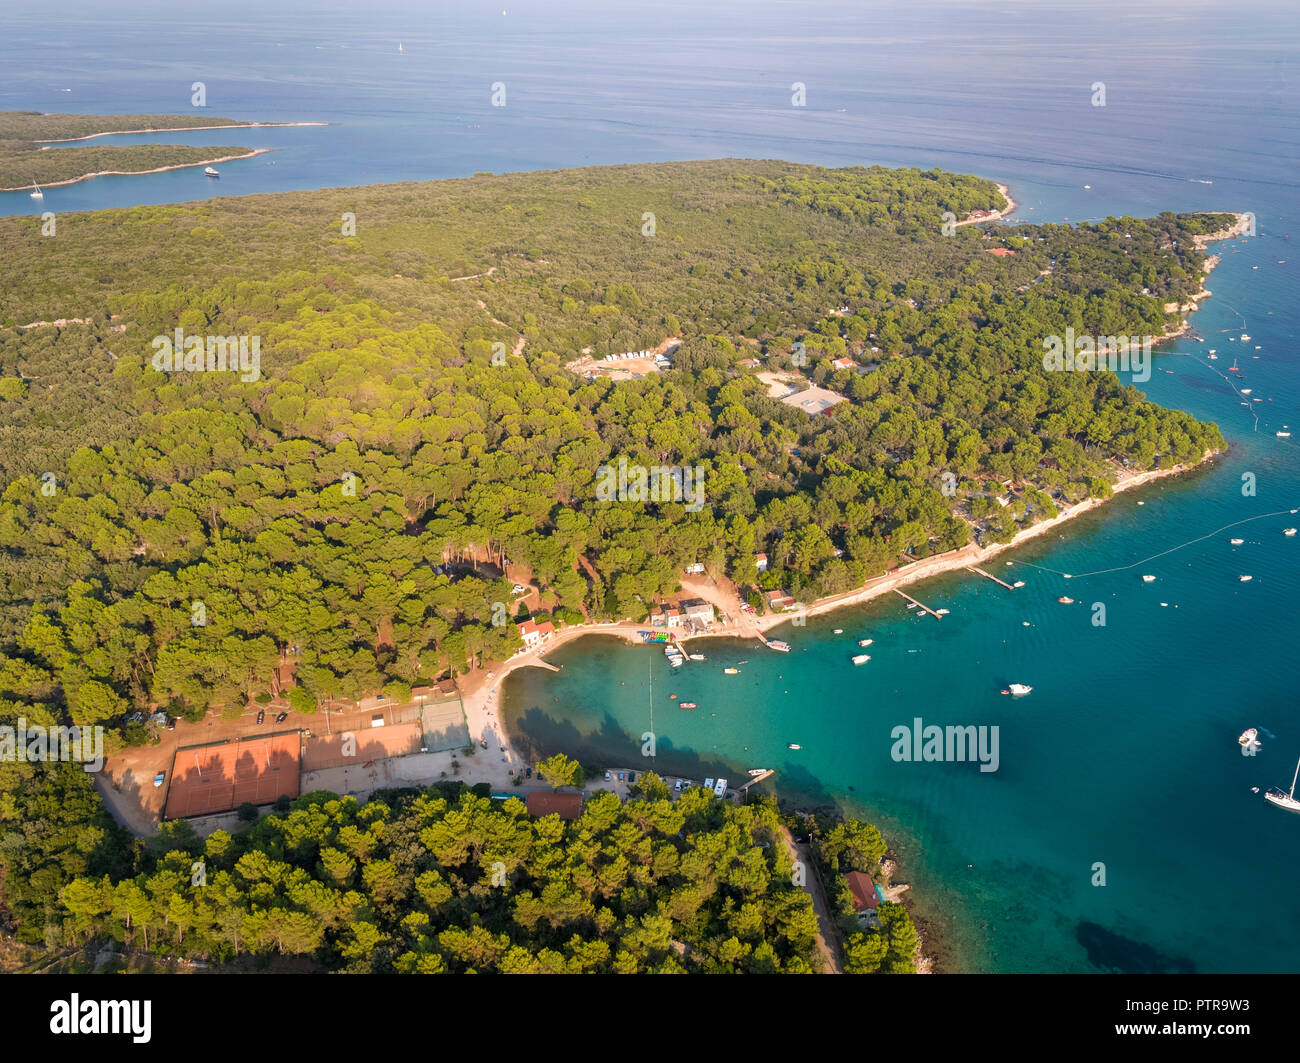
[
  {"x": 447, "y": 881},
  {"x": 413, "y": 406}
]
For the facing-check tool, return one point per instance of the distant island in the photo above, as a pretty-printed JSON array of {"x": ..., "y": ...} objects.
[
  {"x": 25, "y": 159},
  {"x": 417, "y": 477}
]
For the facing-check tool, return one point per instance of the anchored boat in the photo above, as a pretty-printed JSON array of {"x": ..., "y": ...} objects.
[{"x": 1274, "y": 796}]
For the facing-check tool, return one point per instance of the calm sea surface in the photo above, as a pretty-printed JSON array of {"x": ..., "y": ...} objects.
[{"x": 1125, "y": 753}]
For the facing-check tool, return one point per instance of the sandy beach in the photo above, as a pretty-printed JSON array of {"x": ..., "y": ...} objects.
[{"x": 138, "y": 173}]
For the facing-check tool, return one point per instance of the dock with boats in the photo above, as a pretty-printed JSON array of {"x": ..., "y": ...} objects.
[
  {"x": 767, "y": 773},
  {"x": 923, "y": 608},
  {"x": 989, "y": 575}
]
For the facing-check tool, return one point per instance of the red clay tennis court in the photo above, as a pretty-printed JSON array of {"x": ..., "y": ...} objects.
[{"x": 220, "y": 777}]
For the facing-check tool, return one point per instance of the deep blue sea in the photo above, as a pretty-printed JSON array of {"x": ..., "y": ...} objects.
[{"x": 1125, "y": 754}]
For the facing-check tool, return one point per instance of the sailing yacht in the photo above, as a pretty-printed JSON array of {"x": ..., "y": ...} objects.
[
  {"x": 36, "y": 192},
  {"x": 1274, "y": 796}
]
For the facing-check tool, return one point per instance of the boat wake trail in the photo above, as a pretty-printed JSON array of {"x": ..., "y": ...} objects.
[{"x": 1163, "y": 553}]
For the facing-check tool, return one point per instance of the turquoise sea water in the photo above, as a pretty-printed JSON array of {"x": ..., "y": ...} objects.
[{"x": 1125, "y": 753}]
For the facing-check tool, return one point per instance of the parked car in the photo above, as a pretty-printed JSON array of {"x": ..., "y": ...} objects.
[
  {"x": 620, "y": 775},
  {"x": 282, "y": 717},
  {"x": 261, "y": 715},
  {"x": 528, "y": 774},
  {"x": 631, "y": 776},
  {"x": 171, "y": 723},
  {"x": 158, "y": 779},
  {"x": 519, "y": 588},
  {"x": 608, "y": 776}
]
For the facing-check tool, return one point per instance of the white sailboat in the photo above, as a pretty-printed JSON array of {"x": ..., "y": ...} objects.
[
  {"x": 1274, "y": 796},
  {"x": 36, "y": 192}
]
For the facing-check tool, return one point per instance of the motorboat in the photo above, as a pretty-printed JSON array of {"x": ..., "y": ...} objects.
[
  {"x": 779, "y": 646},
  {"x": 1245, "y": 579},
  {"x": 1148, "y": 579},
  {"x": 1017, "y": 689},
  {"x": 794, "y": 745},
  {"x": 688, "y": 705},
  {"x": 1248, "y": 736},
  {"x": 865, "y": 642},
  {"x": 1236, "y": 542},
  {"x": 731, "y": 671},
  {"x": 1065, "y": 601},
  {"x": 1288, "y": 532},
  {"x": 861, "y": 658},
  {"x": 210, "y": 172}
]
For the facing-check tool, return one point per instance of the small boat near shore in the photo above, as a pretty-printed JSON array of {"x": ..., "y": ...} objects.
[
  {"x": 696, "y": 656},
  {"x": 779, "y": 646},
  {"x": 36, "y": 192},
  {"x": 756, "y": 772},
  {"x": 211, "y": 172},
  {"x": 838, "y": 631},
  {"x": 865, "y": 642},
  {"x": 731, "y": 671},
  {"x": 861, "y": 658}
]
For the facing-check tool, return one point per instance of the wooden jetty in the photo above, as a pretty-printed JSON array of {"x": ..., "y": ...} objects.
[
  {"x": 989, "y": 575},
  {"x": 756, "y": 779},
  {"x": 923, "y": 608}
]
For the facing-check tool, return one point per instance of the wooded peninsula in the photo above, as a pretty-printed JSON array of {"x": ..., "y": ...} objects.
[{"x": 413, "y": 406}]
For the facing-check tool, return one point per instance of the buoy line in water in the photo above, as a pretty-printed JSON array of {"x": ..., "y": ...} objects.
[
  {"x": 1231, "y": 383},
  {"x": 1153, "y": 557}
]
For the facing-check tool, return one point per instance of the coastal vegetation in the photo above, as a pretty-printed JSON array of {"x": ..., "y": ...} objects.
[
  {"x": 23, "y": 159},
  {"x": 168, "y": 538},
  {"x": 36, "y": 125},
  {"x": 20, "y": 168},
  {"x": 441, "y": 880}
]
